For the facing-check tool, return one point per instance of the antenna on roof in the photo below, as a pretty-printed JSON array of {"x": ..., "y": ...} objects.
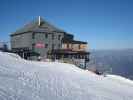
[{"x": 39, "y": 22}]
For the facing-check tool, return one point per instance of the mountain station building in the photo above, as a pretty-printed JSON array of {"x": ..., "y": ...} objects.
[{"x": 41, "y": 39}]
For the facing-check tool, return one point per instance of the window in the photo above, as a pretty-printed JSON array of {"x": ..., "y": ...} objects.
[
  {"x": 33, "y": 35},
  {"x": 67, "y": 46},
  {"x": 53, "y": 46},
  {"x": 46, "y": 35},
  {"x": 79, "y": 46},
  {"x": 52, "y": 36},
  {"x": 33, "y": 46},
  {"x": 59, "y": 46},
  {"x": 59, "y": 37},
  {"x": 46, "y": 45}
]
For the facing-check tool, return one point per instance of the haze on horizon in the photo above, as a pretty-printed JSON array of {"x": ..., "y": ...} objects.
[{"x": 104, "y": 24}]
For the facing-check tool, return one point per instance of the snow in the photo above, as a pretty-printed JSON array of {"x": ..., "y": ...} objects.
[{"x": 30, "y": 80}]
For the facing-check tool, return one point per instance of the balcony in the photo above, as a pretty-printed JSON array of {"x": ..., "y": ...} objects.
[{"x": 74, "y": 47}]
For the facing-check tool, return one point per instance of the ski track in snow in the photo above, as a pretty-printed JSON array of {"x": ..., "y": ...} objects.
[{"x": 30, "y": 80}]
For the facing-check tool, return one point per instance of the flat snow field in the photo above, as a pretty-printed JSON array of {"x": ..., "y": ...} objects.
[{"x": 30, "y": 80}]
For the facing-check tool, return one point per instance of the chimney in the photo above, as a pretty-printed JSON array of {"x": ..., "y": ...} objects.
[{"x": 39, "y": 21}]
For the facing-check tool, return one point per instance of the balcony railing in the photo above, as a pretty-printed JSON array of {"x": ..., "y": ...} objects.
[{"x": 75, "y": 47}]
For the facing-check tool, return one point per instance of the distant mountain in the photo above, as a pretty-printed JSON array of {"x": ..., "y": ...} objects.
[{"x": 119, "y": 62}]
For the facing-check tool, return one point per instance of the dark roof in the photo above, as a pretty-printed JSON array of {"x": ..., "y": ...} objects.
[
  {"x": 34, "y": 26},
  {"x": 73, "y": 41}
]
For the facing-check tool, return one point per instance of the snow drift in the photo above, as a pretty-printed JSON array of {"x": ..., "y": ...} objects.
[{"x": 29, "y": 80}]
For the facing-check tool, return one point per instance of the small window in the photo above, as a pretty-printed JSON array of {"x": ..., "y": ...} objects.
[
  {"x": 79, "y": 46},
  {"x": 67, "y": 46},
  {"x": 46, "y": 45},
  {"x": 59, "y": 37},
  {"x": 59, "y": 46},
  {"x": 33, "y": 46},
  {"x": 33, "y": 35},
  {"x": 53, "y": 46},
  {"x": 52, "y": 36},
  {"x": 46, "y": 35}
]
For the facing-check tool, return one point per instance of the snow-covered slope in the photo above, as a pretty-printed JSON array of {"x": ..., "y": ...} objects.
[{"x": 28, "y": 80}]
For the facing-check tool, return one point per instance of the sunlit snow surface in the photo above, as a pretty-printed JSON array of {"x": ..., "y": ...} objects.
[{"x": 28, "y": 80}]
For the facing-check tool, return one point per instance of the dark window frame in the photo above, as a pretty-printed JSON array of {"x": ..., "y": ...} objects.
[
  {"x": 59, "y": 45},
  {"x": 33, "y": 35},
  {"x": 33, "y": 46},
  {"x": 67, "y": 45},
  {"x": 46, "y": 35},
  {"x": 79, "y": 46},
  {"x": 53, "y": 36},
  {"x": 53, "y": 46},
  {"x": 59, "y": 37},
  {"x": 46, "y": 45}
]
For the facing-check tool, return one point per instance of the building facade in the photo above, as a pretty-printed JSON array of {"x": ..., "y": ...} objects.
[{"x": 41, "y": 39}]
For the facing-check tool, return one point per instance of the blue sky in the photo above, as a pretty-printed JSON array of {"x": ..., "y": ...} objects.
[{"x": 104, "y": 24}]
